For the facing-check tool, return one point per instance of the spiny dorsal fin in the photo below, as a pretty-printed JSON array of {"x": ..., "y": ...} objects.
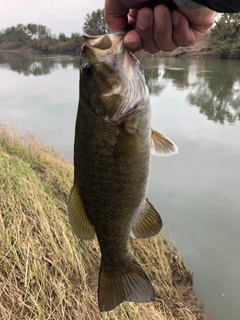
[
  {"x": 128, "y": 282},
  {"x": 161, "y": 145},
  {"x": 149, "y": 223},
  {"x": 77, "y": 216}
]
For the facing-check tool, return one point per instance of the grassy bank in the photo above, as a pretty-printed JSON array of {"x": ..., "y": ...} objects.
[{"x": 45, "y": 271}]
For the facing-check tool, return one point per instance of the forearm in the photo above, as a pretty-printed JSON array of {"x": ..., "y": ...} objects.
[{"x": 228, "y": 6}]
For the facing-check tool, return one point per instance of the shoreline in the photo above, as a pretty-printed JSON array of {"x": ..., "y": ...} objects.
[
  {"x": 200, "y": 49},
  {"x": 44, "y": 226}
]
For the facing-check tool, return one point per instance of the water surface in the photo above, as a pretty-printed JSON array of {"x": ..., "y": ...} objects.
[{"x": 194, "y": 102}]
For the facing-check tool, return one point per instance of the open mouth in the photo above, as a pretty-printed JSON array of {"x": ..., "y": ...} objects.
[{"x": 104, "y": 42}]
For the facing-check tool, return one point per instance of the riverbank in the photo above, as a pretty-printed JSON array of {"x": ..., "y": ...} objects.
[
  {"x": 45, "y": 271},
  {"x": 200, "y": 49}
]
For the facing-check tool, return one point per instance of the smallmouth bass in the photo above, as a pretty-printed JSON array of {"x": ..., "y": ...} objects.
[{"x": 113, "y": 142}]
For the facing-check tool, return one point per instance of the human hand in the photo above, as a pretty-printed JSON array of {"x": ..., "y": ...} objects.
[{"x": 157, "y": 27}]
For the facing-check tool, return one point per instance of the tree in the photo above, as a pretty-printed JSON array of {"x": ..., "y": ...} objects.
[
  {"x": 225, "y": 35},
  {"x": 31, "y": 30},
  {"x": 95, "y": 23},
  {"x": 62, "y": 37},
  {"x": 76, "y": 37},
  {"x": 43, "y": 31},
  {"x": 21, "y": 28},
  {"x": 14, "y": 34}
]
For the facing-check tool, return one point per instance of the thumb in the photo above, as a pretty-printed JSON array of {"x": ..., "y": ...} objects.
[{"x": 116, "y": 15}]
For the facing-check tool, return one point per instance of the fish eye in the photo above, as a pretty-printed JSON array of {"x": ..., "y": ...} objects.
[{"x": 88, "y": 68}]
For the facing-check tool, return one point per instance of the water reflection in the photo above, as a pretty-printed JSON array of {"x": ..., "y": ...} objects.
[
  {"x": 196, "y": 191},
  {"x": 34, "y": 64},
  {"x": 152, "y": 72},
  {"x": 218, "y": 100},
  {"x": 217, "y": 94}
]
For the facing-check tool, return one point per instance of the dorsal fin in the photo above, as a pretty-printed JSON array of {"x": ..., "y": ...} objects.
[
  {"x": 161, "y": 145},
  {"x": 77, "y": 216},
  {"x": 149, "y": 223}
]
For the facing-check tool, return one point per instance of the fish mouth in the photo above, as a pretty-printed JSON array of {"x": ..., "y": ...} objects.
[
  {"x": 118, "y": 33},
  {"x": 104, "y": 42},
  {"x": 120, "y": 75},
  {"x": 112, "y": 43}
]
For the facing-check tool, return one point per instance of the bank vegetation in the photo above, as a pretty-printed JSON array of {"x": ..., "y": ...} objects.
[
  {"x": 45, "y": 271},
  {"x": 222, "y": 40}
]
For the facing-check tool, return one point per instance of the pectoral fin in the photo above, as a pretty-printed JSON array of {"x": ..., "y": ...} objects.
[
  {"x": 77, "y": 216},
  {"x": 149, "y": 223},
  {"x": 161, "y": 145}
]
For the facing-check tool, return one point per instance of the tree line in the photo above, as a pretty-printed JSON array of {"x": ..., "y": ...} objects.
[
  {"x": 224, "y": 36},
  {"x": 40, "y": 38}
]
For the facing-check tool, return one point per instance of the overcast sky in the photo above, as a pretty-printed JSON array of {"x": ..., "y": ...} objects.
[{"x": 58, "y": 15}]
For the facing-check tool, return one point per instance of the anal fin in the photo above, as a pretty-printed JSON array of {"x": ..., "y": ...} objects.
[
  {"x": 148, "y": 224},
  {"x": 161, "y": 145},
  {"x": 128, "y": 282},
  {"x": 77, "y": 216}
]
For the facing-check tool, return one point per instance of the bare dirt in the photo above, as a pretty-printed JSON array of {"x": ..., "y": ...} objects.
[{"x": 200, "y": 49}]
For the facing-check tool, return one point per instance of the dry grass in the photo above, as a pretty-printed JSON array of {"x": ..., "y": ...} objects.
[{"x": 46, "y": 273}]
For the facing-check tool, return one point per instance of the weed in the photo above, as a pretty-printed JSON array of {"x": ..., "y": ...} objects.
[{"x": 46, "y": 273}]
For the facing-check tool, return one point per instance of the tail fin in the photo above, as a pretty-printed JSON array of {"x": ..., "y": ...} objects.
[{"x": 129, "y": 282}]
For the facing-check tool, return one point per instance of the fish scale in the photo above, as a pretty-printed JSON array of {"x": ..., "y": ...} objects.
[{"x": 113, "y": 140}]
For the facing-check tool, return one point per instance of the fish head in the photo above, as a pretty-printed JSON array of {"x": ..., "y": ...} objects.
[{"x": 111, "y": 81}]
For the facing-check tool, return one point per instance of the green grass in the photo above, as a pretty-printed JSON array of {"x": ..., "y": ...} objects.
[{"x": 45, "y": 271}]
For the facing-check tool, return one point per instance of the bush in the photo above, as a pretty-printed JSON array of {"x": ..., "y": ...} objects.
[{"x": 225, "y": 35}]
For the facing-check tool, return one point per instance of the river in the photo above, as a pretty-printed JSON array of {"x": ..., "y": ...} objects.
[{"x": 196, "y": 103}]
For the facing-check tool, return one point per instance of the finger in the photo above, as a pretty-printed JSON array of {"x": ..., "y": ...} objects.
[
  {"x": 186, "y": 32},
  {"x": 163, "y": 29},
  {"x": 200, "y": 20},
  {"x": 132, "y": 41},
  {"x": 183, "y": 35},
  {"x": 204, "y": 20},
  {"x": 115, "y": 14},
  {"x": 144, "y": 28},
  {"x": 132, "y": 17},
  {"x": 133, "y": 14}
]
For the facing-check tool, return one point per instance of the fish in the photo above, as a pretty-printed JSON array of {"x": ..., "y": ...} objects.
[{"x": 112, "y": 147}]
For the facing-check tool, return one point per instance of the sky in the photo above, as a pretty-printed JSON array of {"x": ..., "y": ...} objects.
[{"x": 65, "y": 16}]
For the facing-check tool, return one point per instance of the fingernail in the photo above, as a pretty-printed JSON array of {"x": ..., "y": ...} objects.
[
  {"x": 160, "y": 18},
  {"x": 143, "y": 20},
  {"x": 175, "y": 17}
]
